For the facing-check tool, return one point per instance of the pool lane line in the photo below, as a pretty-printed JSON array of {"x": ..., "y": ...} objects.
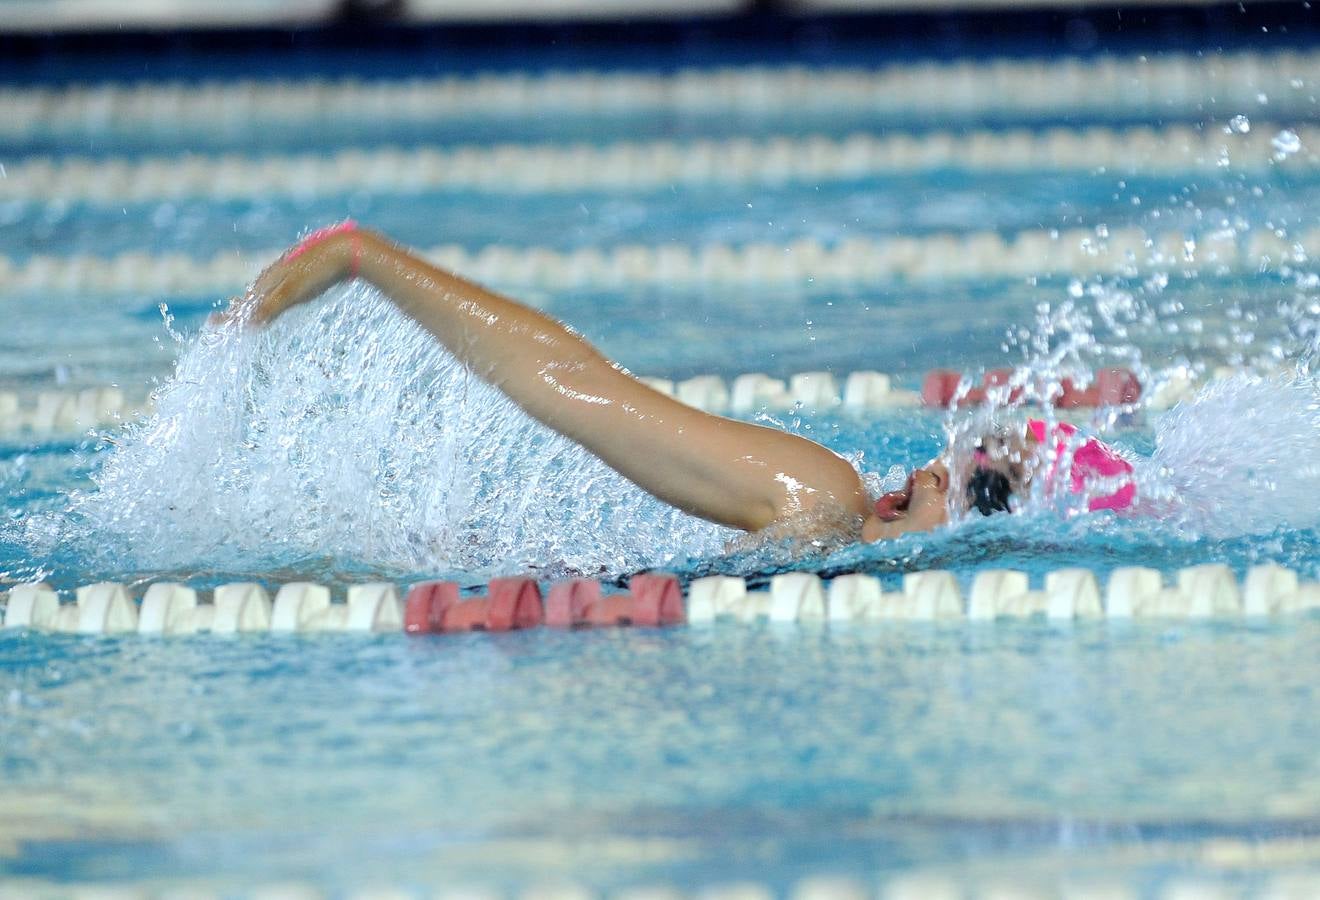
[
  {"x": 1165, "y": 84},
  {"x": 1029, "y": 878},
  {"x": 645, "y": 166},
  {"x": 68, "y": 412},
  {"x": 1201, "y": 592},
  {"x": 61, "y": 412},
  {"x": 929, "y": 259}
]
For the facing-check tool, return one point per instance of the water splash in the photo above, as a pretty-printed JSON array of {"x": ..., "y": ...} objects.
[
  {"x": 346, "y": 433},
  {"x": 1242, "y": 457}
]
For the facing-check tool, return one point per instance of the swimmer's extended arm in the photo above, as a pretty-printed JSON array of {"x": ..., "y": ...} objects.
[{"x": 738, "y": 474}]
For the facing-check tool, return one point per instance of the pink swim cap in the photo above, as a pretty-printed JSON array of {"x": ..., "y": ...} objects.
[{"x": 1091, "y": 461}]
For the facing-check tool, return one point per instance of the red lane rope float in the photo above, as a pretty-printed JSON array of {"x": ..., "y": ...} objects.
[
  {"x": 657, "y": 600},
  {"x": 434, "y": 607},
  {"x": 1109, "y": 387},
  {"x": 569, "y": 603},
  {"x": 513, "y": 603},
  {"x": 510, "y": 603},
  {"x": 652, "y": 601},
  {"x": 424, "y": 609}
]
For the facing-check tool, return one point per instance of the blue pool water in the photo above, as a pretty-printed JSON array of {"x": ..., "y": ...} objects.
[
  {"x": 684, "y": 756},
  {"x": 341, "y": 447}
]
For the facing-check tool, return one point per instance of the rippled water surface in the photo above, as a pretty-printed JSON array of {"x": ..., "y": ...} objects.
[
  {"x": 342, "y": 445},
  {"x": 684, "y": 755}
]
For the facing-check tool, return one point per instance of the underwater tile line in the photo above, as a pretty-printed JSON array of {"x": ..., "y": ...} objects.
[
  {"x": 943, "y": 257},
  {"x": 1165, "y": 83},
  {"x": 546, "y": 168},
  {"x": 1207, "y": 591}
]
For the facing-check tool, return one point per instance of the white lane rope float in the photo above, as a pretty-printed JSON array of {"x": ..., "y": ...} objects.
[
  {"x": 1230, "y": 83},
  {"x": 931, "y": 258},
  {"x": 916, "y": 884},
  {"x": 627, "y": 165},
  {"x": 1207, "y": 591},
  {"x": 53, "y": 412},
  {"x": 66, "y": 412}
]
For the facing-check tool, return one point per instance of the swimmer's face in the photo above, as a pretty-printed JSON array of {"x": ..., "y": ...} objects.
[
  {"x": 1002, "y": 459},
  {"x": 922, "y": 504}
]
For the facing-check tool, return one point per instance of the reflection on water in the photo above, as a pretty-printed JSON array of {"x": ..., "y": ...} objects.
[{"x": 704, "y": 754}]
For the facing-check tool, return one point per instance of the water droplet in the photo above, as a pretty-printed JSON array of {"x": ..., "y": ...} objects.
[
  {"x": 1286, "y": 142},
  {"x": 1239, "y": 124}
]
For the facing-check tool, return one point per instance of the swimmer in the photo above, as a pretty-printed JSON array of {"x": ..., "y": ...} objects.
[{"x": 737, "y": 474}]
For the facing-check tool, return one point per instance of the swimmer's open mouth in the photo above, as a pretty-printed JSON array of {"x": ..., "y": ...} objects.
[{"x": 892, "y": 506}]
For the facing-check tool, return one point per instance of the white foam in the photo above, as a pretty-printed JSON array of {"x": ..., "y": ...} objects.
[
  {"x": 346, "y": 432},
  {"x": 1242, "y": 456}
]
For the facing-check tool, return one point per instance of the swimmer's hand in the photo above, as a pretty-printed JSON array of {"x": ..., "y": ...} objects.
[{"x": 304, "y": 272}]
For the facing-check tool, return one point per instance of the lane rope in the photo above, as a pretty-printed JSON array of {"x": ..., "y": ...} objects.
[
  {"x": 519, "y": 169},
  {"x": 65, "y": 412},
  {"x": 932, "y": 258},
  {"x": 1207, "y": 591},
  {"x": 1029, "y": 880},
  {"x": 1185, "y": 83}
]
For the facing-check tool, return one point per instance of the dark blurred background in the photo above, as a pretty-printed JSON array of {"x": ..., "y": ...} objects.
[{"x": 39, "y": 39}]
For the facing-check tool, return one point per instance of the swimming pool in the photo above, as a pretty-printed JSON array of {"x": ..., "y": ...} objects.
[{"x": 341, "y": 447}]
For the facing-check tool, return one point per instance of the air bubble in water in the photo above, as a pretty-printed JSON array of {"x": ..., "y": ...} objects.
[
  {"x": 1239, "y": 125},
  {"x": 1286, "y": 143}
]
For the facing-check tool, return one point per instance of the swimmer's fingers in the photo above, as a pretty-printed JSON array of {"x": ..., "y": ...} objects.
[
  {"x": 263, "y": 301},
  {"x": 241, "y": 310},
  {"x": 290, "y": 280}
]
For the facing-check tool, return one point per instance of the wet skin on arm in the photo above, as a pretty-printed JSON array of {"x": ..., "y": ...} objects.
[{"x": 734, "y": 473}]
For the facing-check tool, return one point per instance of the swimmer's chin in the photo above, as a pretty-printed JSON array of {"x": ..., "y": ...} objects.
[
  {"x": 819, "y": 532},
  {"x": 885, "y": 528}
]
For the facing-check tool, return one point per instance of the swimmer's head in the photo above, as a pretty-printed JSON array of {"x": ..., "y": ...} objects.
[{"x": 981, "y": 470}]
